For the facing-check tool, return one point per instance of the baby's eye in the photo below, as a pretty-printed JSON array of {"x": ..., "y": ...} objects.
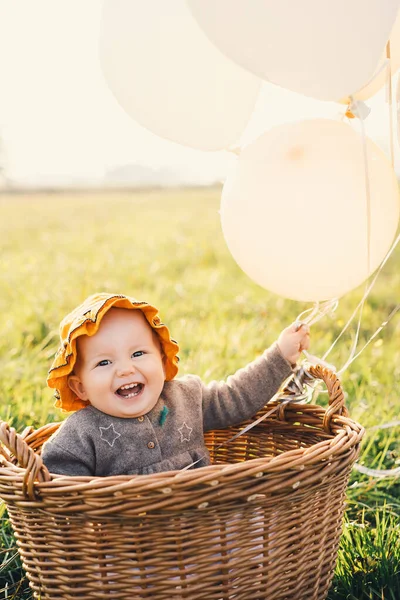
[
  {"x": 138, "y": 353},
  {"x": 103, "y": 363}
]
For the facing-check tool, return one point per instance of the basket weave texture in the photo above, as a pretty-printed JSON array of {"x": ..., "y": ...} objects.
[{"x": 263, "y": 521}]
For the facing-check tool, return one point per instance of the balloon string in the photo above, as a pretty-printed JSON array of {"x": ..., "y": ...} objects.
[
  {"x": 373, "y": 336},
  {"x": 385, "y": 425},
  {"x": 379, "y": 473},
  {"x": 241, "y": 432},
  {"x": 389, "y": 96},
  {"x": 355, "y": 342},
  {"x": 369, "y": 288},
  {"x": 317, "y": 312},
  {"x": 358, "y": 112},
  {"x": 398, "y": 107},
  {"x": 353, "y": 356},
  {"x": 354, "y": 108}
]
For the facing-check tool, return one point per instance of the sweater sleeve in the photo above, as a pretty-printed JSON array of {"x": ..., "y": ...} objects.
[
  {"x": 238, "y": 398},
  {"x": 69, "y": 451}
]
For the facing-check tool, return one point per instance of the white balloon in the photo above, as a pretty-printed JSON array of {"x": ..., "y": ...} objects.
[
  {"x": 379, "y": 78},
  {"x": 170, "y": 78},
  {"x": 321, "y": 48},
  {"x": 295, "y": 214}
]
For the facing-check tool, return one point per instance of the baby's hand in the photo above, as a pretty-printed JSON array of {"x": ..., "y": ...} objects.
[{"x": 293, "y": 340}]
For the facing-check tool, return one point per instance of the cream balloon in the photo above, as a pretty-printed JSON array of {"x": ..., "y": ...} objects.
[
  {"x": 168, "y": 76},
  {"x": 321, "y": 48},
  {"x": 294, "y": 212}
]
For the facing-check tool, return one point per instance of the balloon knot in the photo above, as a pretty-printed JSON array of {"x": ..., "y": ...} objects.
[
  {"x": 234, "y": 149},
  {"x": 357, "y": 110}
]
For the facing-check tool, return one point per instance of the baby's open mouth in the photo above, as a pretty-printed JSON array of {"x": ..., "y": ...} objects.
[{"x": 130, "y": 390}]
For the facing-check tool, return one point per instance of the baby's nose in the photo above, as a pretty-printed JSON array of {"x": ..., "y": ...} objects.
[{"x": 125, "y": 368}]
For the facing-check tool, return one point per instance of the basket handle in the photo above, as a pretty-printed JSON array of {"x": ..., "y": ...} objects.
[
  {"x": 35, "y": 470},
  {"x": 335, "y": 392}
]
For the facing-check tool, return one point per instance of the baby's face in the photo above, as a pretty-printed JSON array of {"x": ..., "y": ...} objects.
[{"x": 120, "y": 369}]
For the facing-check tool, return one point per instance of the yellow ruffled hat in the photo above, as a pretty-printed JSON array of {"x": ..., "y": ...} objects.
[{"x": 85, "y": 320}]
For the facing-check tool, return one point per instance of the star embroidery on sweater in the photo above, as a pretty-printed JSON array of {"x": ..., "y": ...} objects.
[
  {"x": 109, "y": 435},
  {"x": 185, "y": 432}
]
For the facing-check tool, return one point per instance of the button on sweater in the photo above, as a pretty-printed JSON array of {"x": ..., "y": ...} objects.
[{"x": 170, "y": 436}]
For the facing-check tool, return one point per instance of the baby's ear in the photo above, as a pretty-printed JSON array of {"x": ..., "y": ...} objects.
[{"x": 76, "y": 385}]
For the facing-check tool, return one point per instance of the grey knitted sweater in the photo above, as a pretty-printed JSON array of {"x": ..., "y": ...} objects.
[{"x": 170, "y": 436}]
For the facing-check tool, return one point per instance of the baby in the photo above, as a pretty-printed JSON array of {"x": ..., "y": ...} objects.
[{"x": 116, "y": 369}]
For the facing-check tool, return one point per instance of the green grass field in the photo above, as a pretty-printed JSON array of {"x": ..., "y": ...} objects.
[{"x": 167, "y": 247}]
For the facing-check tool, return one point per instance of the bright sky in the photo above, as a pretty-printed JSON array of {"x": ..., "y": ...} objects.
[{"x": 58, "y": 117}]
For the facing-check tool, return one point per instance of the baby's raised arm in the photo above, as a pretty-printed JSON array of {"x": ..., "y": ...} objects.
[{"x": 238, "y": 398}]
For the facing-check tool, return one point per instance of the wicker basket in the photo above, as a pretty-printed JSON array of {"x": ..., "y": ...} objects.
[{"x": 263, "y": 521}]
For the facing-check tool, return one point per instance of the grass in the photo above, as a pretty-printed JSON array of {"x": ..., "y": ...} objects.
[
  {"x": 167, "y": 247},
  {"x": 369, "y": 558}
]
